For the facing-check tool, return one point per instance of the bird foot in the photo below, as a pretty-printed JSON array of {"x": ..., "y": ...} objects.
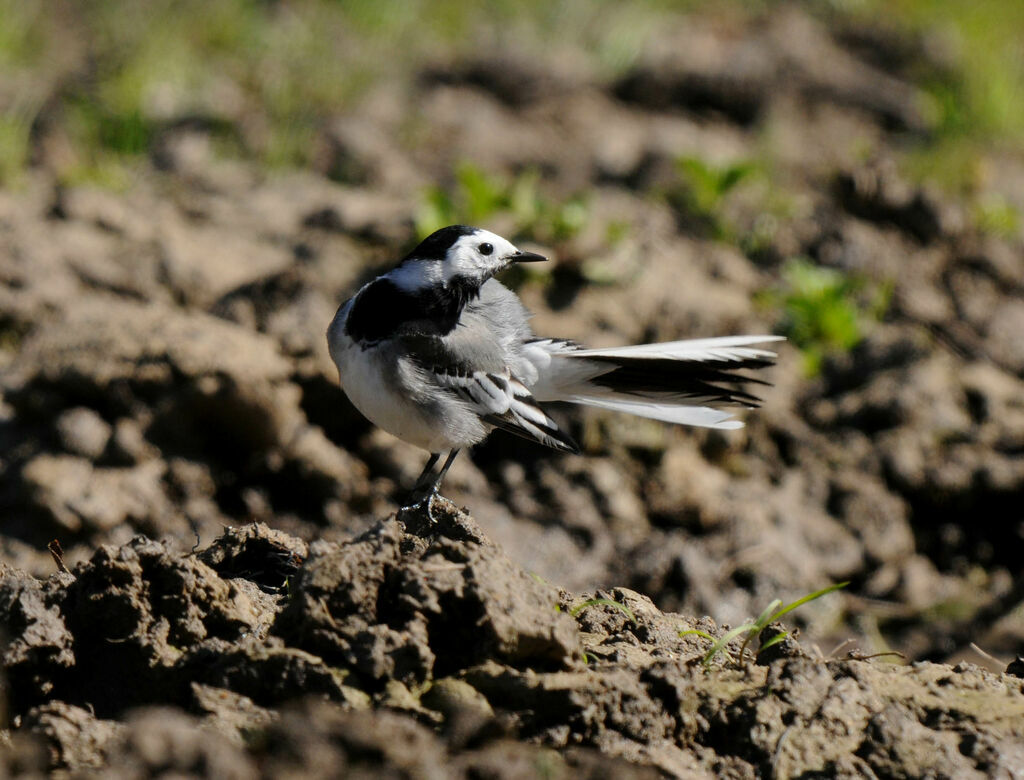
[{"x": 428, "y": 499}]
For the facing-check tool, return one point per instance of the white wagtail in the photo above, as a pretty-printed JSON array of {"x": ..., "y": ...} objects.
[{"x": 439, "y": 354}]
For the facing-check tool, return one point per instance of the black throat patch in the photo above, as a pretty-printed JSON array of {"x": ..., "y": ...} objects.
[{"x": 382, "y": 309}]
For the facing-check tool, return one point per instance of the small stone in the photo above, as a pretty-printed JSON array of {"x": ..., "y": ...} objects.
[
  {"x": 83, "y": 432},
  {"x": 450, "y": 695},
  {"x": 129, "y": 445},
  {"x": 76, "y": 738}
]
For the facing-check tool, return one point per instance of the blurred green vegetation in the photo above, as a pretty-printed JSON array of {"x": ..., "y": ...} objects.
[
  {"x": 15, "y": 128},
  {"x": 476, "y": 197},
  {"x": 703, "y": 190},
  {"x": 977, "y": 103},
  {"x": 266, "y": 76},
  {"x": 824, "y": 310},
  {"x": 100, "y": 80},
  {"x": 995, "y": 215},
  {"x": 986, "y": 94}
]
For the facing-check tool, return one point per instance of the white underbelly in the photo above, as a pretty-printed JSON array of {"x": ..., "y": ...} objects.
[{"x": 384, "y": 394}]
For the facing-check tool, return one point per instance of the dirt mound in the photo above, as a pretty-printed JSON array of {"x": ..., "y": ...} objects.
[
  {"x": 164, "y": 375},
  {"x": 163, "y": 368},
  {"x": 423, "y": 649}
]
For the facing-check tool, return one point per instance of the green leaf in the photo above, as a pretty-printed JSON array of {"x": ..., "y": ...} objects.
[
  {"x": 769, "y": 615},
  {"x": 766, "y": 616},
  {"x": 725, "y": 640},
  {"x": 780, "y": 637},
  {"x": 809, "y": 597},
  {"x": 762, "y": 620},
  {"x": 698, "y": 632},
  {"x": 604, "y": 602}
]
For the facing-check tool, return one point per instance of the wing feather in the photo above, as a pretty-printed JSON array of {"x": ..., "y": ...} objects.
[{"x": 477, "y": 374}]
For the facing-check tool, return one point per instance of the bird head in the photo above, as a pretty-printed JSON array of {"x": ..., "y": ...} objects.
[{"x": 458, "y": 254}]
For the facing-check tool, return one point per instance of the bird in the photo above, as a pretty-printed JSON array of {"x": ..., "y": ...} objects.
[{"x": 439, "y": 353}]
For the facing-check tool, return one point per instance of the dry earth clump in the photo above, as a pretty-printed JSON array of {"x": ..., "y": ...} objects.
[{"x": 421, "y": 649}]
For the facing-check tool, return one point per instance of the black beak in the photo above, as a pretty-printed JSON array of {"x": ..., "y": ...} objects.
[{"x": 526, "y": 257}]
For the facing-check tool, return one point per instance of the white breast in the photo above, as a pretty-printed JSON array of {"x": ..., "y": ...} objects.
[{"x": 396, "y": 396}]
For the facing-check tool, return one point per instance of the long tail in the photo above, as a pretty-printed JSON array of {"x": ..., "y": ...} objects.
[{"x": 676, "y": 381}]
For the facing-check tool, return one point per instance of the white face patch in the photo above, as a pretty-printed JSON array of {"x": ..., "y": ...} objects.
[{"x": 479, "y": 255}]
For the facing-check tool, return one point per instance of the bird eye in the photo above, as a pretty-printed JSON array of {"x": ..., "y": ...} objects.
[{"x": 485, "y": 249}]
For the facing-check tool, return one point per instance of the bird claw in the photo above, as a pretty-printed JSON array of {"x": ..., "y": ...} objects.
[
  {"x": 428, "y": 499},
  {"x": 431, "y": 483}
]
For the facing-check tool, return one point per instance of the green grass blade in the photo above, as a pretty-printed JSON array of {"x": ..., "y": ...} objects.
[
  {"x": 725, "y": 640},
  {"x": 809, "y": 597},
  {"x": 606, "y": 602},
  {"x": 762, "y": 620},
  {"x": 698, "y": 632},
  {"x": 766, "y": 616},
  {"x": 781, "y": 637}
]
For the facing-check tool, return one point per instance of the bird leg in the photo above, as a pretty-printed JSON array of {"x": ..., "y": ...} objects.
[
  {"x": 421, "y": 480},
  {"x": 444, "y": 469},
  {"x": 431, "y": 485}
]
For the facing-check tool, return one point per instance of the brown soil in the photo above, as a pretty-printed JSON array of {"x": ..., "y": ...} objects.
[
  {"x": 163, "y": 376},
  {"x": 422, "y": 650}
]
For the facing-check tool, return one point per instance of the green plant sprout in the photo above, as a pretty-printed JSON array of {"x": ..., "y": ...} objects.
[
  {"x": 705, "y": 188},
  {"x": 476, "y": 196},
  {"x": 15, "y": 135},
  {"x": 771, "y": 613},
  {"x": 995, "y": 215},
  {"x": 973, "y": 104},
  {"x": 824, "y": 310},
  {"x": 603, "y": 602}
]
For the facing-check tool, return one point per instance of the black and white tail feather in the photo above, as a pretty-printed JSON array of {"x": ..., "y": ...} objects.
[
  {"x": 674, "y": 381},
  {"x": 439, "y": 353}
]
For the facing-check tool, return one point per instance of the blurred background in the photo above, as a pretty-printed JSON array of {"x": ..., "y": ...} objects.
[{"x": 189, "y": 189}]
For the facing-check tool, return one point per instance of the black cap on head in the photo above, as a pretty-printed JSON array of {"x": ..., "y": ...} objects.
[{"x": 437, "y": 244}]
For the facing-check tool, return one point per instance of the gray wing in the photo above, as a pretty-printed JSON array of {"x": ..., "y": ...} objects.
[{"x": 479, "y": 361}]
